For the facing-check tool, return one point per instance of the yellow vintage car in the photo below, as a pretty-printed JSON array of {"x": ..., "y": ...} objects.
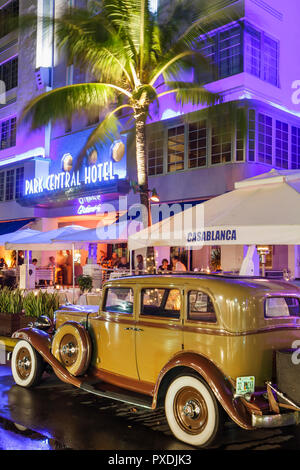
[{"x": 198, "y": 345}]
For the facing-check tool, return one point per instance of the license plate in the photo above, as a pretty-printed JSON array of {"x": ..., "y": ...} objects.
[{"x": 245, "y": 385}]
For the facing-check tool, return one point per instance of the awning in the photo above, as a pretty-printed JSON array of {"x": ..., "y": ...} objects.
[
  {"x": 10, "y": 226},
  {"x": 260, "y": 210}
]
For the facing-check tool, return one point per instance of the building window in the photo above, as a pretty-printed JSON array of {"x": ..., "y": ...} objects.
[
  {"x": 265, "y": 135},
  {"x": 156, "y": 153},
  {"x": 252, "y": 51},
  {"x": 270, "y": 61},
  {"x": 295, "y": 147},
  {"x": 239, "y": 48},
  {"x": 9, "y": 73},
  {"x": 19, "y": 190},
  {"x": 7, "y": 13},
  {"x": 251, "y": 136},
  {"x": 239, "y": 137},
  {"x": 2, "y": 175},
  {"x": 9, "y": 186},
  {"x": 220, "y": 143},
  {"x": 197, "y": 144},
  {"x": 282, "y": 145},
  {"x": 8, "y": 133},
  {"x": 176, "y": 149},
  {"x": 230, "y": 52}
]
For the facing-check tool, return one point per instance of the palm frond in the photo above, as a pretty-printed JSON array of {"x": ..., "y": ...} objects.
[
  {"x": 187, "y": 92},
  {"x": 64, "y": 102}
]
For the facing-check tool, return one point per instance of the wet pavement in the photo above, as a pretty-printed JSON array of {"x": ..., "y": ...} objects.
[{"x": 59, "y": 416}]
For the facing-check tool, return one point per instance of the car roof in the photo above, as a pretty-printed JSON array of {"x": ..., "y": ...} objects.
[{"x": 260, "y": 284}]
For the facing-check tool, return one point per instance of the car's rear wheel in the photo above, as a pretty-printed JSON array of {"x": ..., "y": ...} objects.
[
  {"x": 71, "y": 345},
  {"x": 27, "y": 365},
  {"x": 192, "y": 411}
]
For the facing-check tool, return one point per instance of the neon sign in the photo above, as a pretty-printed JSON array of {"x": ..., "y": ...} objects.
[
  {"x": 66, "y": 179},
  {"x": 89, "y": 205}
]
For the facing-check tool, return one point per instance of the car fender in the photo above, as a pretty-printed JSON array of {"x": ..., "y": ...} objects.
[
  {"x": 41, "y": 341},
  {"x": 220, "y": 386}
]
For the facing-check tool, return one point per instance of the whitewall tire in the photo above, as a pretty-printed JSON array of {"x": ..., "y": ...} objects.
[
  {"x": 26, "y": 365},
  {"x": 192, "y": 411}
]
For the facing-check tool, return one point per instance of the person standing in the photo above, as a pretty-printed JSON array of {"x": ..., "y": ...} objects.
[
  {"x": 140, "y": 264},
  {"x": 69, "y": 268}
]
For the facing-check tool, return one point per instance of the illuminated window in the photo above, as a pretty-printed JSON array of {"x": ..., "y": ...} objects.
[
  {"x": 197, "y": 144},
  {"x": 8, "y": 133},
  {"x": 220, "y": 143},
  {"x": 295, "y": 147},
  {"x": 265, "y": 134},
  {"x": 282, "y": 145},
  {"x": 176, "y": 149},
  {"x": 9, "y": 11},
  {"x": 9, "y": 73},
  {"x": 155, "y": 152}
]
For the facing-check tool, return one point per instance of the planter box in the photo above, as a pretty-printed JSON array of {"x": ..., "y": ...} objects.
[
  {"x": 9, "y": 323},
  {"x": 25, "y": 321}
]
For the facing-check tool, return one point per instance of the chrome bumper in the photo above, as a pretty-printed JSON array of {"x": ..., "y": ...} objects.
[{"x": 274, "y": 421}]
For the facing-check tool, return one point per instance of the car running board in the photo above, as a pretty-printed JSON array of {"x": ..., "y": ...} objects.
[{"x": 139, "y": 401}]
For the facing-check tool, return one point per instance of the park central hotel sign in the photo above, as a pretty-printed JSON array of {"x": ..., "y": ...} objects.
[{"x": 92, "y": 174}]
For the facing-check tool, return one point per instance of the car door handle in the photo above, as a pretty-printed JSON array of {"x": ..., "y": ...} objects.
[
  {"x": 127, "y": 329},
  {"x": 139, "y": 329},
  {"x": 133, "y": 329}
]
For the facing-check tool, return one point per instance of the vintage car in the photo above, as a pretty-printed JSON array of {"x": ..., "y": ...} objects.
[{"x": 198, "y": 345}]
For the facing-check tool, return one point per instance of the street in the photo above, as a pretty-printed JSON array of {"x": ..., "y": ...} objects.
[{"x": 58, "y": 416}]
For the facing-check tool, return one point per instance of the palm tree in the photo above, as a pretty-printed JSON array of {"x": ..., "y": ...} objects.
[{"x": 135, "y": 60}]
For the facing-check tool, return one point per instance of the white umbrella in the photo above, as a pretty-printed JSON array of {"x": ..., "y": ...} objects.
[
  {"x": 260, "y": 210},
  {"x": 14, "y": 236},
  {"x": 44, "y": 241},
  {"x": 108, "y": 234}
]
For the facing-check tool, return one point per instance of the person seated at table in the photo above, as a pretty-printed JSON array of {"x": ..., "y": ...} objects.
[
  {"x": 177, "y": 264},
  {"x": 123, "y": 264},
  {"x": 2, "y": 263},
  {"x": 114, "y": 261},
  {"x": 34, "y": 261},
  {"x": 165, "y": 266}
]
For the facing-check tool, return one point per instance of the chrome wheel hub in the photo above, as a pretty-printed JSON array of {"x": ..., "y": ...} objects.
[
  {"x": 192, "y": 409},
  {"x": 69, "y": 349}
]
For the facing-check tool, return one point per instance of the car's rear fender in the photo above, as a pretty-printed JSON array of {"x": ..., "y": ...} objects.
[
  {"x": 41, "y": 341},
  {"x": 220, "y": 386}
]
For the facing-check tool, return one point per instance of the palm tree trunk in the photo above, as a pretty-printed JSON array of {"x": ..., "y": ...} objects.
[{"x": 141, "y": 164}]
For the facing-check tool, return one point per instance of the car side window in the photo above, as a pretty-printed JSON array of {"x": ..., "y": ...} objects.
[
  {"x": 200, "y": 307},
  {"x": 161, "y": 302},
  {"x": 119, "y": 300},
  {"x": 282, "y": 307}
]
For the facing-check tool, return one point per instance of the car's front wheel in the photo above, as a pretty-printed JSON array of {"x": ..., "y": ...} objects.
[
  {"x": 192, "y": 411},
  {"x": 26, "y": 364}
]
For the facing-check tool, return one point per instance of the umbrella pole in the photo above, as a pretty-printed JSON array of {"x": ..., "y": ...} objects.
[
  {"x": 130, "y": 261},
  {"x": 73, "y": 271}
]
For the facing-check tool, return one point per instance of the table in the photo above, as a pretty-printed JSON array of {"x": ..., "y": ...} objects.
[{"x": 90, "y": 298}]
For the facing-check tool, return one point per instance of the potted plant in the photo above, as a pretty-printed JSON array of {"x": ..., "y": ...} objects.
[
  {"x": 85, "y": 283},
  {"x": 11, "y": 305},
  {"x": 36, "y": 305}
]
